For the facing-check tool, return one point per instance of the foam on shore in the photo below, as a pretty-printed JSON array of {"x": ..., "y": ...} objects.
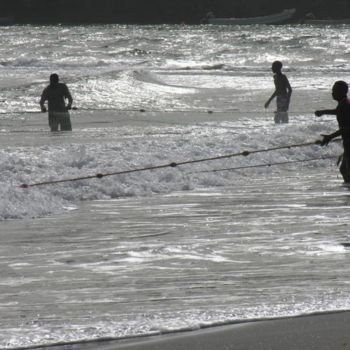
[{"x": 320, "y": 331}]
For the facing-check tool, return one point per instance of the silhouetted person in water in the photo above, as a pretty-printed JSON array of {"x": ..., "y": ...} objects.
[
  {"x": 283, "y": 92},
  {"x": 56, "y": 94},
  {"x": 339, "y": 93}
]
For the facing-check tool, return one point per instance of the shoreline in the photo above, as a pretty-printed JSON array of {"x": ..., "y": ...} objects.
[{"x": 322, "y": 331}]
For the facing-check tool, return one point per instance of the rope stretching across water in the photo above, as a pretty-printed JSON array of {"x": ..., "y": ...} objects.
[
  {"x": 172, "y": 165},
  {"x": 268, "y": 164},
  {"x": 143, "y": 110}
]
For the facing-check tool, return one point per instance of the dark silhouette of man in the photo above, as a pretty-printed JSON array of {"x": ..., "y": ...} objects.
[
  {"x": 283, "y": 92},
  {"x": 342, "y": 112},
  {"x": 56, "y": 94}
]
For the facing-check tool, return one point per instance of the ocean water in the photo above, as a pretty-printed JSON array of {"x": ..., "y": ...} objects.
[{"x": 178, "y": 248}]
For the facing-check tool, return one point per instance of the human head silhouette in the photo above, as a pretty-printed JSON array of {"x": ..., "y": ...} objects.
[
  {"x": 276, "y": 66},
  {"x": 54, "y": 79},
  {"x": 339, "y": 90}
]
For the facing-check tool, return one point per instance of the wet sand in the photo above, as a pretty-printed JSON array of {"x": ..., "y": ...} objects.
[{"x": 328, "y": 331}]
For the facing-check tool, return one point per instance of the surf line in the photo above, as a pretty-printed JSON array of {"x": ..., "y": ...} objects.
[{"x": 169, "y": 165}]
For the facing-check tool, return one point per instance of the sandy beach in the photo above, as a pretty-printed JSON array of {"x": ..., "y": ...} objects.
[
  {"x": 324, "y": 331},
  {"x": 320, "y": 332}
]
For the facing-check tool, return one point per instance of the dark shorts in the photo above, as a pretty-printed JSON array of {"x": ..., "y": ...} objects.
[
  {"x": 282, "y": 103},
  {"x": 61, "y": 120}
]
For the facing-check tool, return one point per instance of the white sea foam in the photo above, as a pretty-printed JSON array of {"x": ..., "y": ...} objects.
[{"x": 145, "y": 147}]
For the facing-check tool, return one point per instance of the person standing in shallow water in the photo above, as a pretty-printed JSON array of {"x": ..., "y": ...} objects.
[
  {"x": 56, "y": 94},
  {"x": 342, "y": 112},
  {"x": 283, "y": 92}
]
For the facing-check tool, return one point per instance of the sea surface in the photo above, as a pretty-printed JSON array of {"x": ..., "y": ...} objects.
[{"x": 174, "y": 248}]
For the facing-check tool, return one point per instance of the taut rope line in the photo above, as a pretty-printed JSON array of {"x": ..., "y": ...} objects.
[
  {"x": 266, "y": 165},
  {"x": 144, "y": 110},
  {"x": 172, "y": 165}
]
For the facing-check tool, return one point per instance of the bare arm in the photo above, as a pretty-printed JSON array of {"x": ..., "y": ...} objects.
[
  {"x": 43, "y": 99},
  {"x": 69, "y": 97},
  {"x": 289, "y": 88},
  {"x": 335, "y": 134},
  {"x": 270, "y": 99},
  {"x": 328, "y": 138},
  {"x": 325, "y": 112}
]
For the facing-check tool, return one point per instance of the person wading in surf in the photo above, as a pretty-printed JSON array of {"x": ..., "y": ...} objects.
[
  {"x": 342, "y": 112},
  {"x": 56, "y": 94},
  {"x": 283, "y": 92}
]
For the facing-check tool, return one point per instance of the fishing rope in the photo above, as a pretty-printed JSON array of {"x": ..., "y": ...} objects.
[
  {"x": 143, "y": 110},
  {"x": 172, "y": 165},
  {"x": 138, "y": 119},
  {"x": 162, "y": 122},
  {"x": 266, "y": 164},
  {"x": 140, "y": 110}
]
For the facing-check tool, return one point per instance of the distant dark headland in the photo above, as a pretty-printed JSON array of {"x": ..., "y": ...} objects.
[{"x": 160, "y": 11}]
